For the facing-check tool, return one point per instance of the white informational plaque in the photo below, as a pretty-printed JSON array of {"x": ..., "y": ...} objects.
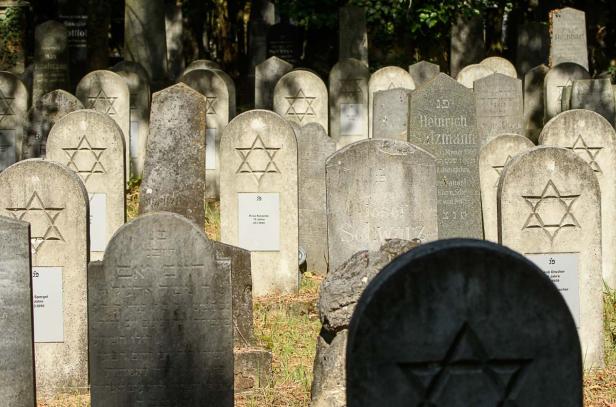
[
  {"x": 210, "y": 149},
  {"x": 47, "y": 304},
  {"x": 562, "y": 268},
  {"x": 98, "y": 222},
  {"x": 259, "y": 221},
  {"x": 352, "y": 120}
]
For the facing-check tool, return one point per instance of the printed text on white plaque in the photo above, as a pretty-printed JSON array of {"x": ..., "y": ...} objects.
[{"x": 259, "y": 221}]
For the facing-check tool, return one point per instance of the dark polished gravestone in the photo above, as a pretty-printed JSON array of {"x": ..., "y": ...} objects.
[
  {"x": 462, "y": 323},
  {"x": 161, "y": 331}
]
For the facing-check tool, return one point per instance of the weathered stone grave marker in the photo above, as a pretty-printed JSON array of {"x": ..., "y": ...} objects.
[
  {"x": 500, "y": 106},
  {"x": 301, "y": 97},
  {"x": 51, "y": 69},
  {"x": 423, "y": 71},
  {"x": 596, "y": 95},
  {"x": 391, "y": 114},
  {"x": 568, "y": 37},
  {"x": 267, "y": 75},
  {"x": 285, "y": 41},
  {"x": 13, "y": 111},
  {"x": 557, "y": 78},
  {"x": 533, "y": 101},
  {"x": 500, "y": 65},
  {"x": 201, "y": 64},
  {"x": 389, "y": 77},
  {"x": 472, "y": 73}
]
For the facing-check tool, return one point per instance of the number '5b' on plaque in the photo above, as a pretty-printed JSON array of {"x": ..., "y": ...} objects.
[{"x": 259, "y": 221}]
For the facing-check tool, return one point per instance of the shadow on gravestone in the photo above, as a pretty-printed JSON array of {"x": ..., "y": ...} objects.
[
  {"x": 13, "y": 111},
  {"x": 595, "y": 95},
  {"x": 267, "y": 75},
  {"x": 462, "y": 323},
  {"x": 423, "y": 71},
  {"x": 557, "y": 79},
  {"x": 533, "y": 101}
]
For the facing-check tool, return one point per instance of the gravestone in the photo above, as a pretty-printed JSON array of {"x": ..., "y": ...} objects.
[
  {"x": 442, "y": 121},
  {"x": 555, "y": 80},
  {"x": 353, "y": 36},
  {"x": 53, "y": 200},
  {"x": 389, "y": 77},
  {"x": 568, "y": 37},
  {"x": 472, "y": 73},
  {"x": 532, "y": 47},
  {"x": 391, "y": 114},
  {"x": 42, "y": 116},
  {"x": 500, "y": 106},
  {"x": 533, "y": 101},
  {"x": 230, "y": 90},
  {"x": 378, "y": 190},
  {"x": 13, "y": 111},
  {"x": 467, "y": 43},
  {"x": 17, "y": 387},
  {"x": 348, "y": 101},
  {"x": 493, "y": 157},
  {"x": 159, "y": 304},
  {"x": 593, "y": 139},
  {"x": 213, "y": 87},
  {"x": 107, "y": 93},
  {"x": 92, "y": 145},
  {"x": 51, "y": 69},
  {"x": 262, "y": 16},
  {"x": 468, "y": 324},
  {"x": 174, "y": 171},
  {"x": 174, "y": 30},
  {"x": 74, "y": 15},
  {"x": 285, "y": 41},
  {"x": 138, "y": 83},
  {"x": 201, "y": 64},
  {"x": 549, "y": 209},
  {"x": 301, "y": 97},
  {"x": 500, "y": 65},
  {"x": 596, "y": 95},
  {"x": 259, "y": 197},
  {"x": 423, "y": 71},
  {"x": 267, "y": 75},
  {"x": 145, "y": 39},
  {"x": 313, "y": 150}
]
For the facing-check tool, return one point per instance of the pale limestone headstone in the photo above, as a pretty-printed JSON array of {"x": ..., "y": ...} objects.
[
  {"x": 106, "y": 92},
  {"x": 161, "y": 328},
  {"x": 378, "y": 190},
  {"x": 568, "y": 37},
  {"x": 557, "y": 78},
  {"x": 51, "y": 69},
  {"x": 549, "y": 209},
  {"x": 201, "y": 64},
  {"x": 41, "y": 118},
  {"x": 493, "y": 157},
  {"x": 391, "y": 114},
  {"x": 230, "y": 89},
  {"x": 500, "y": 65},
  {"x": 423, "y": 71},
  {"x": 472, "y": 73},
  {"x": 17, "y": 387},
  {"x": 13, "y": 113},
  {"x": 92, "y": 145},
  {"x": 174, "y": 171},
  {"x": 592, "y": 138},
  {"x": 301, "y": 97},
  {"x": 389, "y": 77},
  {"x": 259, "y": 197},
  {"x": 54, "y": 201},
  {"x": 352, "y": 34},
  {"x": 137, "y": 80},
  {"x": 348, "y": 101},
  {"x": 213, "y": 87},
  {"x": 533, "y": 101},
  {"x": 596, "y": 95},
  {"x": 499, "y": 104},
  {"x": 313, "y": 150},
  {"x": 467, "y": 43},
  {"x": 267, "y": 75},
  {"x": 442, "y": 122}
]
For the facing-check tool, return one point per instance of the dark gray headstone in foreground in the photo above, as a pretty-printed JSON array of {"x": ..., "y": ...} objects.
[
  {"x": 160, "y": 318},
  {"x": 462, "y": 323},
  {"x": 391, "y": 114},
  {"x": 16, "y": 351}
]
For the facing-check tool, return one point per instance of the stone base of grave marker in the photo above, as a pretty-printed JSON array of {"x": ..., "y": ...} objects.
[{"x": 253, "y": 369}]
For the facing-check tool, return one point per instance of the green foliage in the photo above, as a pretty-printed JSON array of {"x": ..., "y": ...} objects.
[{"x": 11, "y": 46}]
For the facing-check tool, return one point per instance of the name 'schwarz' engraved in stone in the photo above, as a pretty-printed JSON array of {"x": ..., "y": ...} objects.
[
  {"x": 210, "y": 104},
  {"x": 258, "y": 159},
  {"x": 84, "y": 159},
  {"x": 551, "y": 211},
  {"x": 587, "y": 153},
  {"x": 499, "y": 169},
  {"x": 42, "y": 219},
  {"x": 466, "y": 358},
  {"x": 6, "y": 107},
  {"x": 300, "y": 105},
  {"x": 351, "y": 87},
  {"x": 102, "y": 103}
]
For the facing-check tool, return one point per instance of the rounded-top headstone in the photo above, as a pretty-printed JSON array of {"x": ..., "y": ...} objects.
[
  {"x": 389, "y": 77},
  {"x": 462, "y": 323},
  {"x": 559, "y": 77},
  {"x": 500, "y": 65},
  {"x": 472, "y": 73},
  {"x": 201, "y": 64},
  {"x": 301, "y": 96}
]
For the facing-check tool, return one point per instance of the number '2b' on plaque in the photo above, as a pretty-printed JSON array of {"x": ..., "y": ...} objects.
[{"x": 259, "y": 221}]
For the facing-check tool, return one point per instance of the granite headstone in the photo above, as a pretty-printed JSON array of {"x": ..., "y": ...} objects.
[{"x": 500, "y": 106}]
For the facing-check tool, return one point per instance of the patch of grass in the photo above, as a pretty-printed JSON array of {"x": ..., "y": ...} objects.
[
  {"x": 212, "y": 220},
  {"x": 132, "y": 198}
]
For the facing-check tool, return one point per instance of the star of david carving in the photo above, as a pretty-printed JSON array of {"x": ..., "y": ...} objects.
[
  {"x": 466, "y": 357},
  {"x": 102, "y": 103},
  {"x": 252, "y": 155},
  {"x": 84, "y": 159},
  {"x": 587, "y": 153},
  {"x": 42, "y": 219},
  {"x": 499, "y": 168},
  {"x": 210, "y": 104},
  {"x": 6, "y": 107},
  {"x": 351, "y": 87},
  {"x": 392, "y": 85},
  {"x": 551, "y": 211},
  {"x": 302, "y": 100}
]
